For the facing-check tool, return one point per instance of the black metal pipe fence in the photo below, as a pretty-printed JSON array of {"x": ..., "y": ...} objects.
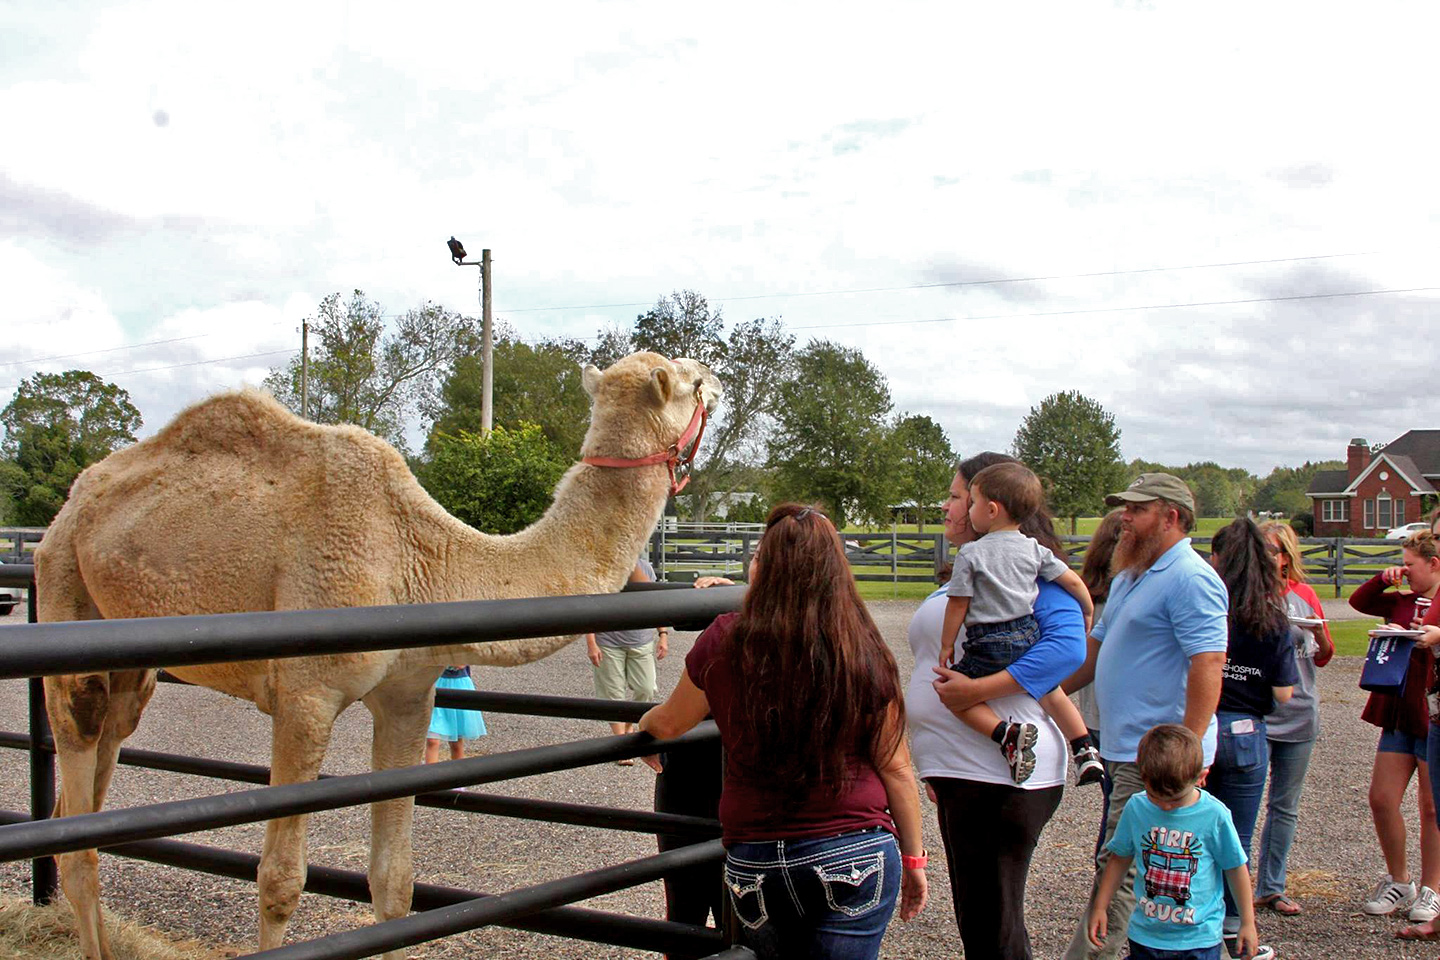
[
  {"x": 581, "y": 923},
  {"x": 55, "y": 648},
  {"x": 548, "y": 811},
  {"x": 473, "y": 914},
  {"x": 44, "y": 649}
]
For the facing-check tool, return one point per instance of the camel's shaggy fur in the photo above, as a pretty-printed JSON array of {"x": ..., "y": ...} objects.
[{"x": 238, "y": 505}]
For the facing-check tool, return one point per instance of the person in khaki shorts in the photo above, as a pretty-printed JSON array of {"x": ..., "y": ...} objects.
[{"x": 624, "y": 660}]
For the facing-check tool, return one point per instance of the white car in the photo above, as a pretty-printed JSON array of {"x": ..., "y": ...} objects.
[{"x": 1407, "y": 531}]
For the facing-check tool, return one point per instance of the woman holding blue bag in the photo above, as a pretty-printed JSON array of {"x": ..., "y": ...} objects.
[
  {"x": 1260, "y": 672},
  {"x": 1404, "y": 728}
]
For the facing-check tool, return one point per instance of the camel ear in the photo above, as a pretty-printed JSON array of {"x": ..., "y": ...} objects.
[
  {"x": 662, "y": 382},
  {"x": 590, "y": 378}
]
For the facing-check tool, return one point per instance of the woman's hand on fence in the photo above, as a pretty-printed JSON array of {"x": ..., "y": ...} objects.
[{"x": 702, "y": 582}]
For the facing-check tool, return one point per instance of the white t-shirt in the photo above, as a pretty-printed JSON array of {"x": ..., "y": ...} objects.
[{"x": 941, "y": 744}]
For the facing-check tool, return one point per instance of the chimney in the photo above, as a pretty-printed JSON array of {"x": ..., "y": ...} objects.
[{"x": 1357, "y": 458}]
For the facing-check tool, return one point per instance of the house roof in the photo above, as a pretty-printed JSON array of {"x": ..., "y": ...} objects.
[
  {"x": 1420, "y": 446},
  {"x": 1411, "y": 471},
  {"x": 1403, "y": 466},
  {"x": 1328, "y": 481}
]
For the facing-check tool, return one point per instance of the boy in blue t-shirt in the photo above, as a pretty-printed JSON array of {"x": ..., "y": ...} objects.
[{"x": 1185, "y": 840}]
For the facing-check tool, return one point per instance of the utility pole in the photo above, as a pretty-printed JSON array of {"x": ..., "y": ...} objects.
[
  {"x": 305, "y": 368},
  {"x": 487, "y": 373}
]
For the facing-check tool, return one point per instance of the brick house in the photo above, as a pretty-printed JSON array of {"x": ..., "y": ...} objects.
[{"x": 1378, "y": 490}]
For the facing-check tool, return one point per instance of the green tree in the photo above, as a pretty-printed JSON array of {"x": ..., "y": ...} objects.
[
  {"x": 537, "y": 384},
  {"x": 1074, "y": 446},
  {"x": 612, "y": 343},
  {"x": 56, "y": 425},
  {"x": 682, "y": 325},
  {"x": 830, "y": 441},
  {"x": 498, "y": 483},
  {"x": 1284, "y": 488},
  {"x": 362, "y": 375},
  {"x": 756, "y": 361},
  {"x": 924, "y": 462}
]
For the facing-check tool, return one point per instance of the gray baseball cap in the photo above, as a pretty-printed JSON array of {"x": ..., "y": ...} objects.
[{"x": 1153, "y": 486}]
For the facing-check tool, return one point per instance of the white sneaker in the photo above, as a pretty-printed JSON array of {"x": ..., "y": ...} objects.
[
  {"x": 1389, "y": 896},
  {"x": 1426, "y": 906}
]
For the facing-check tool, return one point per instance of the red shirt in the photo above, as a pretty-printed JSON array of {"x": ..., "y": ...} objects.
[
  {"x": 1407, "y": 712},
  {"x": 750, "y": 809}
]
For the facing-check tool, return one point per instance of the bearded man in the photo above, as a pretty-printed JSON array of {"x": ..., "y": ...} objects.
[{"x": 1156, "y": 655}]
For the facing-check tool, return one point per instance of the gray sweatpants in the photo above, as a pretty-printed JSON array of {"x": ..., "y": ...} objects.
[{"x": 1126, "y": 782}]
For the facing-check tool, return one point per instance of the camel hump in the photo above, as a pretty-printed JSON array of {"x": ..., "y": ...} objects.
[{"x": 232, "y": 421}]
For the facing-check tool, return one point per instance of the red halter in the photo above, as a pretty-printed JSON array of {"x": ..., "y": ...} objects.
[{"x": 671, "y": 457}]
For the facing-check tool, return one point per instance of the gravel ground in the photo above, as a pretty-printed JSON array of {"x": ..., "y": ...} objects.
[{"x": 1334, "y": 862}]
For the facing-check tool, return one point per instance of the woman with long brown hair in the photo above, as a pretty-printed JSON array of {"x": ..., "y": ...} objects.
[{"x": 818, "y": 783}]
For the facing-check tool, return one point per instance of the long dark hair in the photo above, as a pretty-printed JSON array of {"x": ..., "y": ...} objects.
[
  {"x": 1242, "y": 557},
  {"x": 1038, "y": 526},
  {"x": 1095, "y": 571},
  {"x": 816, "y": 680}
]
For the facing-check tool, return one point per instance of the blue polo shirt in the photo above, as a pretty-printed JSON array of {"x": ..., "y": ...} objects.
[{"x": 1153, "y": 624}]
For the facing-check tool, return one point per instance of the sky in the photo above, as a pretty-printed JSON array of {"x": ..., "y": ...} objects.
[{"x": 1219, "y": 220}]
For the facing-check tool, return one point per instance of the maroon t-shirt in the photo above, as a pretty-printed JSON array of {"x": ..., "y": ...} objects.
[
  {"x": 750, "y": 808},
  {"x": 1406, "y": 712}
]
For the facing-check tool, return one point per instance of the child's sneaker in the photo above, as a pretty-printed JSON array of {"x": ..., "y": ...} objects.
[
  {"x": 1088, "y": 768},
  {"x": 1018, "y": 746},
  {"x": 1426, "y": 906},
  {"x": 1262, "y": 952},
  {"x": 1389, "y": 896}
]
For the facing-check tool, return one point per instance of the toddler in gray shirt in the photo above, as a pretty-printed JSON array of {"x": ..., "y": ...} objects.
[{"x": 992, "y": 592}]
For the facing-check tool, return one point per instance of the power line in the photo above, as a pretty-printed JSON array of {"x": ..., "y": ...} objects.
[
  {"x": 972, "y": 283},
  {"x": 1151, "y": 306},
  {"x": 192, "y": 363},
  {"x": 89, "y": 353}
]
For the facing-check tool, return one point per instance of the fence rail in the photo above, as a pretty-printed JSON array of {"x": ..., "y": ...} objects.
[
  {"x": 685, "y": 554},
  {"x": 37, "y": 649}
]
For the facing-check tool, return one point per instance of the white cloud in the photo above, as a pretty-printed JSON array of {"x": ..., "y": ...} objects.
[{"x": 612, "y": 153}]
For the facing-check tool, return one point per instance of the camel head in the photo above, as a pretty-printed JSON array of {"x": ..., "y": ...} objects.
[{"x": 644, "y": 402}]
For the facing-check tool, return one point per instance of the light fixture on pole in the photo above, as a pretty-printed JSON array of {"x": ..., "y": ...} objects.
[{"x": 487, "y": 380}]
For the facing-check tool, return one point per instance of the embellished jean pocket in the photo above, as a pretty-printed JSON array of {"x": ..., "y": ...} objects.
[
  {"x": 747, "y": 897},
  {"x": 853, "y": 886}
]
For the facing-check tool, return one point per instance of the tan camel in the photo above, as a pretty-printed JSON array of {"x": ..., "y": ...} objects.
[{"x": 238, "y": 505}]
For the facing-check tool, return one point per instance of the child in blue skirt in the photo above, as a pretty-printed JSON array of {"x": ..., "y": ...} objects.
[{"x": 452, "y": 725}]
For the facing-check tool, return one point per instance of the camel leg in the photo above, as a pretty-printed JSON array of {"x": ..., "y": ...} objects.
[
  {"x": 301, "y": 732},
  {"x": 78, "y": 706},
  {"x": 130, "y": 691},
  {"x": 401, "y": 709}
]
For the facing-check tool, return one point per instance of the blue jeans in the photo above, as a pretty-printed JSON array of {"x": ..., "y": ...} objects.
[
  {"x": 1288, "y": 763},
  {"x": 1433, "y": 752},
  {"x": 992, "y": 647},
  {"x": 1138, "y": 951},
  {"x": 827, "y": 897},
  {"x": 1237, "y": 779}
]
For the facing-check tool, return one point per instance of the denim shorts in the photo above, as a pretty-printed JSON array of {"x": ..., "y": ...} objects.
[
  {"x": 1398, "y": 741},
  {"x": 1138, "y": 951},
  {"x": 824, "y": 897},
  {"x": 992, "y": 647}
]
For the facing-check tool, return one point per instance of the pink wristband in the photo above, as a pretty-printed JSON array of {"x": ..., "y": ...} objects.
[{"x": 915, "y": 863}]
